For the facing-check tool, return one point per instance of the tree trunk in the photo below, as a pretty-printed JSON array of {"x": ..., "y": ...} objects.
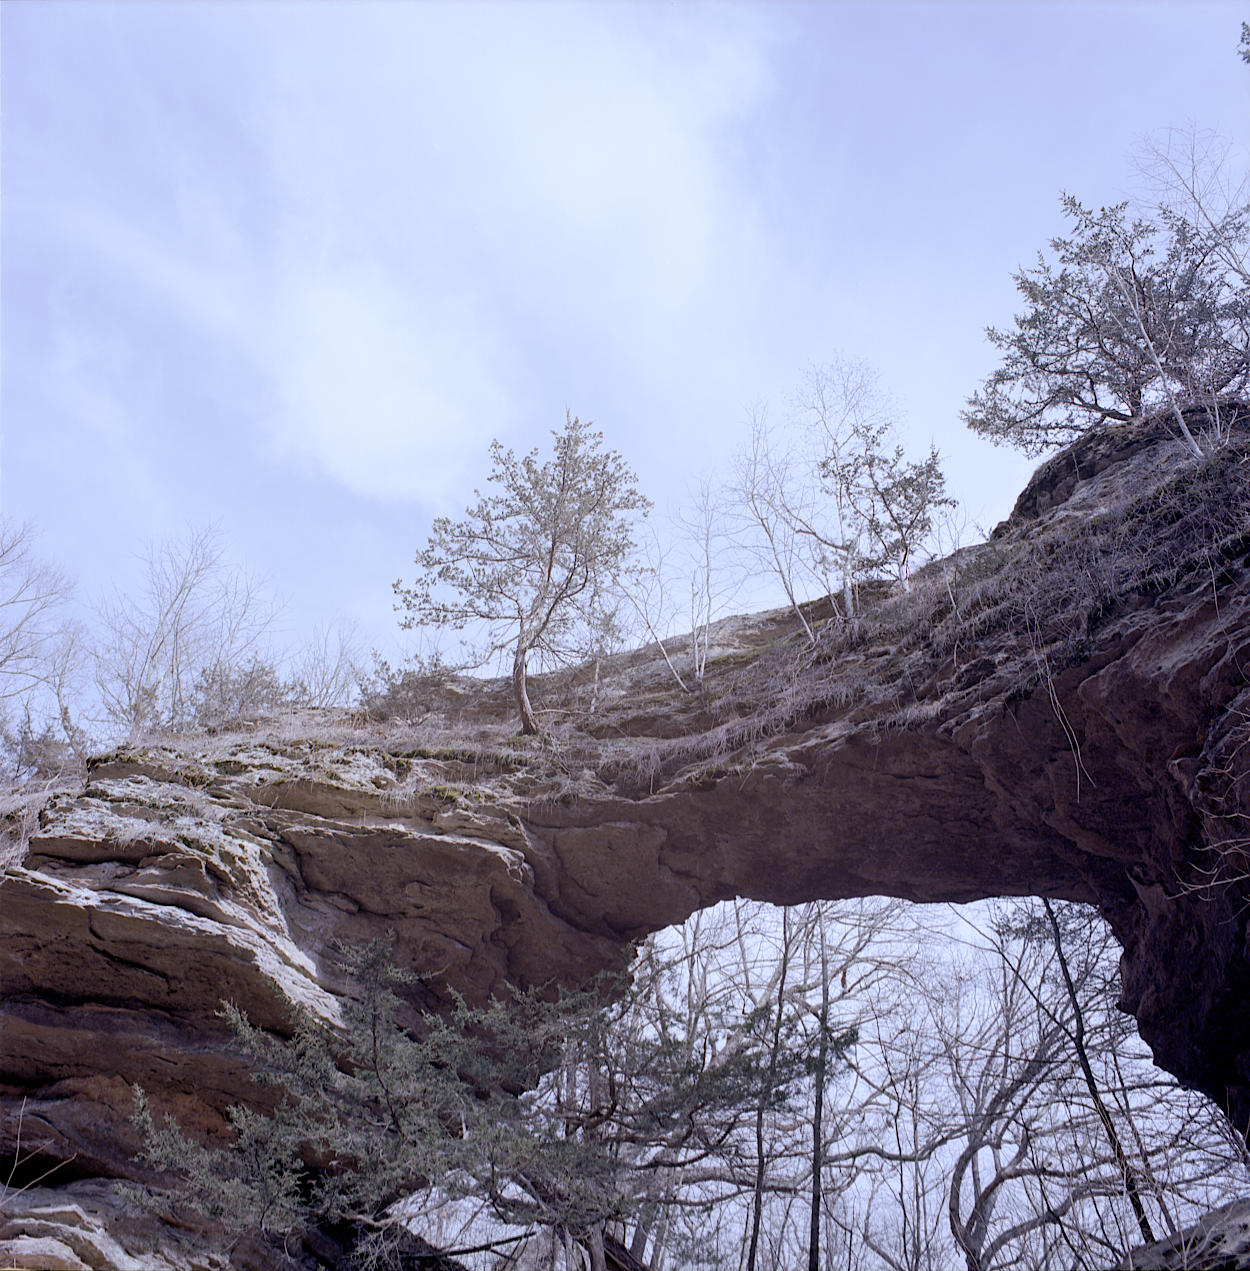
[
  {"x": 1078, "y": 1041},
  {"x": 774, "y": 1055},
  {"x": 822, "y": 1066},
  {"x": 642, "y": 1232},
  {"x": 594, "y": 1246},
  {"x": 529, "y": 725}
]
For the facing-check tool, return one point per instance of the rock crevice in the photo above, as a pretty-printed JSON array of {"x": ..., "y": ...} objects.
[{"x": 1064, "y": 711}]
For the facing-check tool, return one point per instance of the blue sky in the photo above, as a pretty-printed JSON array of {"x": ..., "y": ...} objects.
[{"x": 290, "y": 267}]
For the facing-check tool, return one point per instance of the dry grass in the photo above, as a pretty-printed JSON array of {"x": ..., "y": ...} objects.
[
  {"x": 1011, "y": 611},
  {"x": 20, "y": 807}
]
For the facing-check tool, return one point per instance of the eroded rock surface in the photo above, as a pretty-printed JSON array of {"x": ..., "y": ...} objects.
[
  {"x": 1064, "y": 711},
  {"x": 1219, "y": 1242}
]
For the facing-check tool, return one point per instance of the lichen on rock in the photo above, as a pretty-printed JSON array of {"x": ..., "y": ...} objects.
[{"x": 1061, "y": 711}]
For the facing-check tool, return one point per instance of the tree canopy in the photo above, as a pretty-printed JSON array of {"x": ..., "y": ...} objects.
[
  {"x": 564, "y": 1111},
  {"x": 1131, "y": 315},
  {"x": 530, "y": 567}
]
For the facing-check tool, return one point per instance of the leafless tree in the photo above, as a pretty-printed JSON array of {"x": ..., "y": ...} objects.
[
  {"x": 647, "y": 594},
  {"x": 833, "y": 498},
  {"x": 842, "y": 406},
  {"x": 1009, "y": 1148},
  {"x": 325, "y": 671},
  {"x": 194, "y": 632},
  {"x": 41, "y": 655},
  {"x": 1193, "y": 177},
  {"x": 714, "y": 581},
  {"x": 778, "y": 510},
  {"x": 32, "y": 595}
]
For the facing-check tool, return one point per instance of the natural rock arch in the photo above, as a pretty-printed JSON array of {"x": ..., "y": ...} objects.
[{"x": 1063, "y": 711}]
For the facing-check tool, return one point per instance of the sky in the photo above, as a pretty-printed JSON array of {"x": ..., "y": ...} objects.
[{"x": 288, "y": 268}]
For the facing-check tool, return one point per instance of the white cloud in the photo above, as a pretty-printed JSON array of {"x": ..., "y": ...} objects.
[
  {"x": 360, "y": 240},
  {"x": 484, "y": 209},
  {"x": 383, "y": 390},
  {"x": 387, "y": 398}
]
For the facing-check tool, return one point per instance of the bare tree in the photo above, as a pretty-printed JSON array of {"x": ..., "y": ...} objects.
[
  {"x": 646, "y": 593},
  {"x": 1031, "y": 1155},
  {"x": 192, "y": 635},
  {"x": 696, "y": 562},
  {"x": 1205, "y": 195},
  {"x": 41, "y": 654},
  {"x": 1192, "y": 175},
  {"x": 778, "y": 508},
  {"x": 833, "y": 498},
  {"x": 842, "y": 406},
  {"x": 776, "y": 1022},
  {"x": 325, "y": 671},
  {"x": 713, "y": 585},
  {"x": 32, "y": 594}
]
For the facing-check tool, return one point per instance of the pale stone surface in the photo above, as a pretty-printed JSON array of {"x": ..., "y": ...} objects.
[
  {"x": 1104, "y": 767},
  {"x": 1219, "y": 1242},
  {"x": 88, "y": 1228}
]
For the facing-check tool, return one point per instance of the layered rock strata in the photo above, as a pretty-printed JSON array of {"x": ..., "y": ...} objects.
[{"x": 1063, "y": 711}]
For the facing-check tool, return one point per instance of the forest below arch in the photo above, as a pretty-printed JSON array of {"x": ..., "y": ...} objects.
[
  {"x": 850, "y": 1084},
  {"x": 389, "y": 891},
  {"x": 956, "y": 1114}
]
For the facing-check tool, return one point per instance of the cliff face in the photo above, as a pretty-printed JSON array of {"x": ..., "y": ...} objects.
[{"x": 1062, "y": 711}]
